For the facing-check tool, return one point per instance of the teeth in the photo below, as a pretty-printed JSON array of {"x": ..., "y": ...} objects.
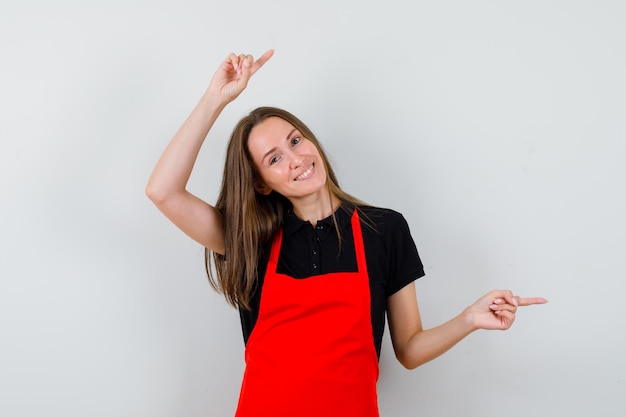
[{"x": 305, "y": 174}]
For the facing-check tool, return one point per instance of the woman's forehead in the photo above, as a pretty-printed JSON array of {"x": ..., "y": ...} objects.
[
  {"x": 270, "y": 133},
  {"x": 271, "y": 125}
]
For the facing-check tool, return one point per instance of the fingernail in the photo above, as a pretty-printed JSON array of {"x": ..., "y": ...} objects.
[{"x": 246, "y": 63}]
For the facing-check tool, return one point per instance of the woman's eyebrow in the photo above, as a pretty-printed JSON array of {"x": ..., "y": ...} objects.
[{"x": 274, "y": 148}]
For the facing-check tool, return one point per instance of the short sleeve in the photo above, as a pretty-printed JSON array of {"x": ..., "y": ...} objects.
[{"x": 405, "y": 265}]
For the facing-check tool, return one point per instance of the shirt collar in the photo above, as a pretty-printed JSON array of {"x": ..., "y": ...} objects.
[{"x": 343, "y": 214}]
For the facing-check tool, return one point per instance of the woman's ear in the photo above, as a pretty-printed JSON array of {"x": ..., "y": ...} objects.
[{"x": 261, "y": 188}]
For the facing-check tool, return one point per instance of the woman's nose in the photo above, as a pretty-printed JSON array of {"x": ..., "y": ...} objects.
[{"x": 295, "y": 160}]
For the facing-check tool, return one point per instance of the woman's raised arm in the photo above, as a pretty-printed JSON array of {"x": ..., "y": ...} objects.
[{"x": 167, "y": 184}]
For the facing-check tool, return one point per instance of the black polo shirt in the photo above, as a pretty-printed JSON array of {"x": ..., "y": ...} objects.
[{"x": 306, "y": 251}]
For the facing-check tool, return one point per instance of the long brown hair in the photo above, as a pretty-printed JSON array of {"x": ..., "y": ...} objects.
[{"x": 252, "y": 219}]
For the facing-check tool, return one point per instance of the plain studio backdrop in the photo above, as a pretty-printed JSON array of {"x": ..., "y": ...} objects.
[{"x": 497, "y": 128}]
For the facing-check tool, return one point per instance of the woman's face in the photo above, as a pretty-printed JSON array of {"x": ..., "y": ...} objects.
[{"x": 287, "y": 162}]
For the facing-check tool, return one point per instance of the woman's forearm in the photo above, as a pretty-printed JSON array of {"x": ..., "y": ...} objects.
[
  {"x": 172, "y": 171},
  {"x": 426, "y": 345}
]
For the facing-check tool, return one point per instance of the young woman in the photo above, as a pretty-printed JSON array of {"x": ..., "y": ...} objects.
[{"x": 312, "y": 270}]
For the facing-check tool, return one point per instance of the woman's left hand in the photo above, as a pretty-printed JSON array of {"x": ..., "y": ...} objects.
[{"x": 496, "y": 310}]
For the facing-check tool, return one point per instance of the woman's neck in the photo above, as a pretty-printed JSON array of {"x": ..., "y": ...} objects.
[{"x": 315, "y": 207}]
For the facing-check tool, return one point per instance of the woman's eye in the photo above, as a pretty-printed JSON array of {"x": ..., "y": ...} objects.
[
  {"x": 273, "y": 160},
  {"x": 295, "y": 140}
]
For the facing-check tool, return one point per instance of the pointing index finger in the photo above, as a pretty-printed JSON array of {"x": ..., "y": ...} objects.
[
  {"x": 261, "y": 61},
  {"x": 532, "y": 300}
]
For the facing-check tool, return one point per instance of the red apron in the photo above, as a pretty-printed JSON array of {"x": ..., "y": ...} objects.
[{"x": 311, "y": 353}]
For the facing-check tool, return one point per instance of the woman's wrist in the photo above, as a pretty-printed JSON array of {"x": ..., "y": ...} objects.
[
  {"x": 212, "y": 102},
  {"x": 468, "y": 320}
]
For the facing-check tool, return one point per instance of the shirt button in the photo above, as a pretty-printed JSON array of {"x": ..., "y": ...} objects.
[
  {"x": 314, "y": 252},
  {"x": 320, "y": 227},
  {"x": 314, "y": 266}
]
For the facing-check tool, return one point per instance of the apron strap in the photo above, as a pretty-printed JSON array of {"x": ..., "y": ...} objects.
[
  {"x": 276, "y": 244},
  {"x": 359, "y": 247}
]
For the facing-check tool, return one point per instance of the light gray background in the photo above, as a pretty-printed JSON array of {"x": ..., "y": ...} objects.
[{"x": 496, "y": 127}]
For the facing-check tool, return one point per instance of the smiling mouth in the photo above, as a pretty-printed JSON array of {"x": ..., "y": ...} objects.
[{"x": 305, "y": 174}]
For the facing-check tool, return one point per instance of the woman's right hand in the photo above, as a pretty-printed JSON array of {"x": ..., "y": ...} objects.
[{"x": 233, "y": 74}]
